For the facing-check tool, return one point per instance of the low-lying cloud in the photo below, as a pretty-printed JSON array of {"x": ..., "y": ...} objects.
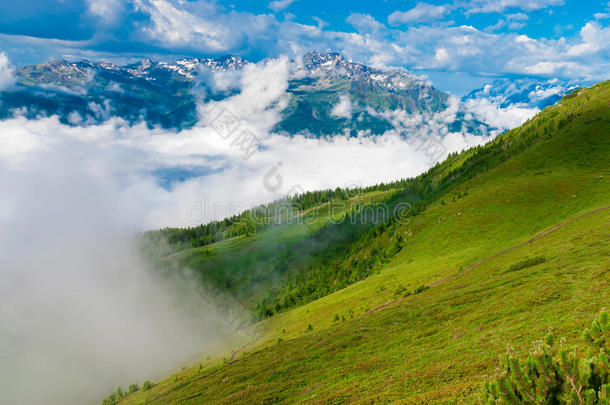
[
  {"x": 500, "y": 117},
  {"x": 80, "y": 311}
]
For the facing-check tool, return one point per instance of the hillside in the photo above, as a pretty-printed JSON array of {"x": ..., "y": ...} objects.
[
  {"x": 264, "y": 252},
  {"x": 507, "y": 240}
]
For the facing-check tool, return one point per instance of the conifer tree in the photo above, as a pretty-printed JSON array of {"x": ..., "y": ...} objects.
[{"x": 555, "y": 374}]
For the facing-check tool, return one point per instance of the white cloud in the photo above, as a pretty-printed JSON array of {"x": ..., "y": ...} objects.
[
  {"x": 498, "y": 6},
  {"x": 422, "y": 12},
  {"x": 512, "y": 21},
  {"x": 127, "y": 157},
  {"x": 343, "y": 108},
  {"x": 7, "y": 73},
  {"x": 550, "y": 68},
  {"x": 75, "y": 295},
  {"x": 467, "y": 49},
  {"x": 503, "y": 118},
  {"x": 365, "y": 23},
  {"x": 516, "y": 25},
  {"x": 441, "y": 56},
  {"x": 261, "y": 97},
  {"x": 106, "y": 10},
  {"x": 594, "y": 39},
  {"x": 178, "y": 27},
  {"x": 518, "y": 17},
  {"x": 279, "y": 5}
]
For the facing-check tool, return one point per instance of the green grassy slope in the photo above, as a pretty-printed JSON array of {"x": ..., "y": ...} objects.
[
  {"x": 249, "y": 266},
  {"x": 435, "y": 346}
]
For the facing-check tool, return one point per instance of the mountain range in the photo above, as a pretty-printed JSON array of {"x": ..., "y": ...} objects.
[{"x": 328, "y": 95}]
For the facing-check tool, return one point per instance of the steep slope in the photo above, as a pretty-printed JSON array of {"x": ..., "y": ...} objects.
[
  {"x": 264, "y": 256},
  {"x": 515, "y": 240}
]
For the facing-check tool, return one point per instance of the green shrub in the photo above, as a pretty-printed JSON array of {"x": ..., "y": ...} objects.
[
  {"x": 147, "y": 385},
  {"x": 555, "y": 374},
  {"x": 420, "y": 289},
  {"x": 115, "y": 397},
  {"x": 532, "y": 261},
  {"x": 399, "y": 290}
]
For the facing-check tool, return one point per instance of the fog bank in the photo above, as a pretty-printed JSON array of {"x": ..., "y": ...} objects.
[{"x": 80, "y": 311}]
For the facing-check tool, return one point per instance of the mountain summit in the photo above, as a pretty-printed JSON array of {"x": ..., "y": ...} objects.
[{"x": 337, "y": 95}]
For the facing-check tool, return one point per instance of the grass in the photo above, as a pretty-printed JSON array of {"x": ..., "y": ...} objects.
[
  {"x": 437, "y": 345},
  {"x": 434, "y": 347}
]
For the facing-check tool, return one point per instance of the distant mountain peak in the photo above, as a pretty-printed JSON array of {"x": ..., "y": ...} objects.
[
  {"x": 335, "y": 64},
  {"x": 526, "y": 92}
]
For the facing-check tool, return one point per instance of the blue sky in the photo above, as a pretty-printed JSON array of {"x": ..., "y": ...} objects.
[{"x": 459, "y": 45}]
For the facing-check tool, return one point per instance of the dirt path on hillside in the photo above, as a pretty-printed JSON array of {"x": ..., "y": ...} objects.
[
  {"x": 307, "y": 211},
  {"x": 488, "y": 258},
  {"x": 238, "y": 351}
]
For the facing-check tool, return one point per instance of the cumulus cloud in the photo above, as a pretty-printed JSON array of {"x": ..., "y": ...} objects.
[
  {"x": 279, "y": 5},
  {"x": 106, "y": 10},
  {"x": 175, "y": 26},
  {"x": 512, "y": 21},
  {"x": 261, "y": 97},
  {"x": 594, "y": 39},
  {"x": 498, "y": 6},
  {"x": 365, "y": 23},
  {"x": 422, "y": 12}
]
